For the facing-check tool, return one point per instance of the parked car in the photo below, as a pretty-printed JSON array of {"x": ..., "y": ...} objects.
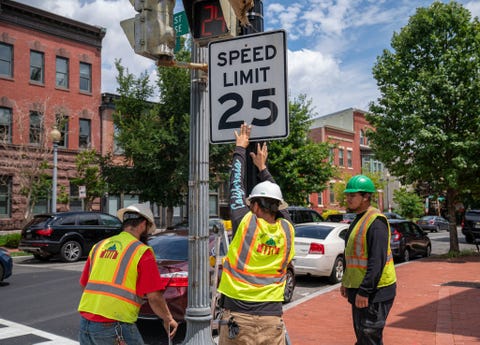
[
  {"x": 300, "y": 214},
  {"x": 433, "y": 223},
  {"x": 6, "y": 264},
  {"x": 471, "y": 226},
  {"x": 211, "y": 223},
  {"x": 319, "y": 249},
  {"x": 348, "y": 218},
  {"x": 393, "y": 215},
  {"x": 68, "y": 234},
  {"x": 171, "y": 252},
  {"x": 408, "y": 240}
]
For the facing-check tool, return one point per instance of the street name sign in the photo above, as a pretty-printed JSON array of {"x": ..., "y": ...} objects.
[{"x": 247, "y": 80}]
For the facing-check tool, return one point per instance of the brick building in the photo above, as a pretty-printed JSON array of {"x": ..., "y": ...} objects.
[
  {"x": 50, "y": 75},
  {"x": 347, "y": 130}
]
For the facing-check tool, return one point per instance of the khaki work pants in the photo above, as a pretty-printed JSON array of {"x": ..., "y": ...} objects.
[{"x": 252, "y": 330}]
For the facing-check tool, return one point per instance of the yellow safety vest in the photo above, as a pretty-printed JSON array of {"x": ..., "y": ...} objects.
[
  {"x": 356, "y": 254},
  {"x": 257, "y": 260},
  {"x": 111, "y": 287}
]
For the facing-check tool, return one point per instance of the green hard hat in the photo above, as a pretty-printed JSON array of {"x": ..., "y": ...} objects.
[{"x": 360, "y": 183}]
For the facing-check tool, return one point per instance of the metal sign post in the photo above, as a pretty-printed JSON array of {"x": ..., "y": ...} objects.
[{"x": 198, "y": 314}]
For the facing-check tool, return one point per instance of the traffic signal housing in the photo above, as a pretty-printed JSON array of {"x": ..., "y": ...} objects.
[
  {"x": 151, "y": 32},
  {"x": 211, "y": 20}
]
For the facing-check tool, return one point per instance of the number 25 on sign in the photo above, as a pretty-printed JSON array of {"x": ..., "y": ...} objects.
[{"x": 248, "y": 83}]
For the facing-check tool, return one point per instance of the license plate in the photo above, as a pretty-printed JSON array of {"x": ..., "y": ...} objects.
[{"x": 477, "y": 225}]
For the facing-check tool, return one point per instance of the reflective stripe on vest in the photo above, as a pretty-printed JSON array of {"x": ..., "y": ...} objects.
[
  {"x": 115, "y": 287},
  {"x": 358, "y": 257},
  {"x": 238, "y": 271}
]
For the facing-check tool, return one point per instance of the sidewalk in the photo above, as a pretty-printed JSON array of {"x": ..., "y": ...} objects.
[{"x": 437, "y": 303}]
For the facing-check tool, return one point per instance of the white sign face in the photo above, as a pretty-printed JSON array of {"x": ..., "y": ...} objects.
[
  {"x": 247, "y": 77},
  {"x": 82, "y": 192}
]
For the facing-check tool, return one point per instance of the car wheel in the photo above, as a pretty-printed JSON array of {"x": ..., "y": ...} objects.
[
  {"x": 2, "y": 272},
  {"x": 71, "y": 251},
  {"x": 289, "y": 287},
  {"x": 406, "y": 255},
  {"x": 428, "y": 251},
  {"x": 437, "y": 229},
  {"x": 337, "y": 271}
]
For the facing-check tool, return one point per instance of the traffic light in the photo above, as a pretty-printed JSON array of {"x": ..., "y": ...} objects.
[
  {"x": 211, "y": 20},
  {"x": 151, "y": 33}
]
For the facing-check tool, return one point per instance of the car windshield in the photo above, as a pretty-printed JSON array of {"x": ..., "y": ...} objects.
[
  {"x": 319, "y": 232},
  {"x": 427, "y": 218},
  {"x": 170, "y": 247}
]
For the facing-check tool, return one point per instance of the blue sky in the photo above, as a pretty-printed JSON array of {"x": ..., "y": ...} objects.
[{"x": 332, "y": 44}]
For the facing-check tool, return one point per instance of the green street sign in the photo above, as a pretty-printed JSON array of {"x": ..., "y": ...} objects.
[{"x": 180, "y": 23}]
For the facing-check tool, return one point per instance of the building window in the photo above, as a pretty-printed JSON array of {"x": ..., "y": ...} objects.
[
  {"x": 349, "y": 159},
  {"x": 62, "y": 125},
  {"x": 117, "y": 149},
  {"x": 332, "y": 193},
  {"x": 362, "y": 137},
  {"x": 6, "y": 60},
  {"x": 5, "y": 196},
  {"x": 5, "y": 125},
  {"x": 331, "y": 155},
  {"x": 213, "y": 205},
  {"x": 61, "y": 78},
  {"x": 36, "y": 121},
  {"x": 341, "y": 157},
  {"x": 84, "y": 134},
  {"x": 85, "y": 77},
  {"x": 74, "y": 202},
  {"x": 36, "y": 67}
]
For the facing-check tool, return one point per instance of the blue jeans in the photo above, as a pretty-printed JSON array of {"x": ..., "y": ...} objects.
[{"x": 105, "y": 333}]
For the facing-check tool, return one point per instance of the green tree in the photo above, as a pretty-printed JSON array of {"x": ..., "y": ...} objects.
[
  {"x": 427, "y": 118},
  {"x": 89, "y": 174},
  {"x": 299, "y": 165},
  {"x": 154, "y": 136},
  {"x": 409, "y": 203}
]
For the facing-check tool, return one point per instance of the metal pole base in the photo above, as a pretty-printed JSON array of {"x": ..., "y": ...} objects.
[{"x": 198, "y": 330}]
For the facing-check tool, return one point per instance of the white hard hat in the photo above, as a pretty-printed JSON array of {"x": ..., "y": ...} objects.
[
  {"x": 141, "y": 209},
  {"x": 267, "y": 189}
]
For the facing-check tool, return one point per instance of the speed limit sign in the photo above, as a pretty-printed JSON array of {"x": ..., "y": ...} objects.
[{"x": 248, "y": 83}]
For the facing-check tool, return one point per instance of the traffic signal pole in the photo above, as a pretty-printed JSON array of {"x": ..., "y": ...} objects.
[{"x": 198, "y": 314}]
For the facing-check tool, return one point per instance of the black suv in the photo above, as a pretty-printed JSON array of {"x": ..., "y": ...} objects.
[
  {"x": 301, "y": 214},
  {"x": 69, "y": 234},
  {"x": 471, "y": 226}
]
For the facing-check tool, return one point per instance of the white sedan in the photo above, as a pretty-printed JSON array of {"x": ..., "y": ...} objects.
[{"x": 319, "y": 249}]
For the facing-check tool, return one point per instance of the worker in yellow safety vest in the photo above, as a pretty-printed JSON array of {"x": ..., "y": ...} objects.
[
  {"x": 254, "y": 273},
  {"x": 119, "y": 272},
  {"x": 369, "y": 280}
]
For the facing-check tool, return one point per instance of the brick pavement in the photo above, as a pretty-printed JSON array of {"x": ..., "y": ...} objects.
[{"x": 437, "y": 303}]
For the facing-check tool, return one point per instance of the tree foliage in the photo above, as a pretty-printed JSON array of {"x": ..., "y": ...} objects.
[
  {"x": 410, "y": 205},
  {"x": 154, "y": 136},
  {"x": 299, "y": 165},
  {"x": 427, "y": 118},
  {"x": 90, "y": 175}
]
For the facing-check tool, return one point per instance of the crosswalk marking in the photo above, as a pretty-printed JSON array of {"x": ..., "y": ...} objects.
[{"x": 15, "y": 333}]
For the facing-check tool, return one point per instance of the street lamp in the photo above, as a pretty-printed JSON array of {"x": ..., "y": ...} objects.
[{"x": 55, "y": 135}]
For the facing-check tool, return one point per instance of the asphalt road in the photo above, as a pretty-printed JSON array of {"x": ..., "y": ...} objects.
[{"x": 44, "y": 296}]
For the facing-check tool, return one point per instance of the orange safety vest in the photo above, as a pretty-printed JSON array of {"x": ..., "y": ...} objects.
[
  {"x": 257, "y": 260},
  {"x": 356, "y": 254},
  {"x": 111, "y": 287}
]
